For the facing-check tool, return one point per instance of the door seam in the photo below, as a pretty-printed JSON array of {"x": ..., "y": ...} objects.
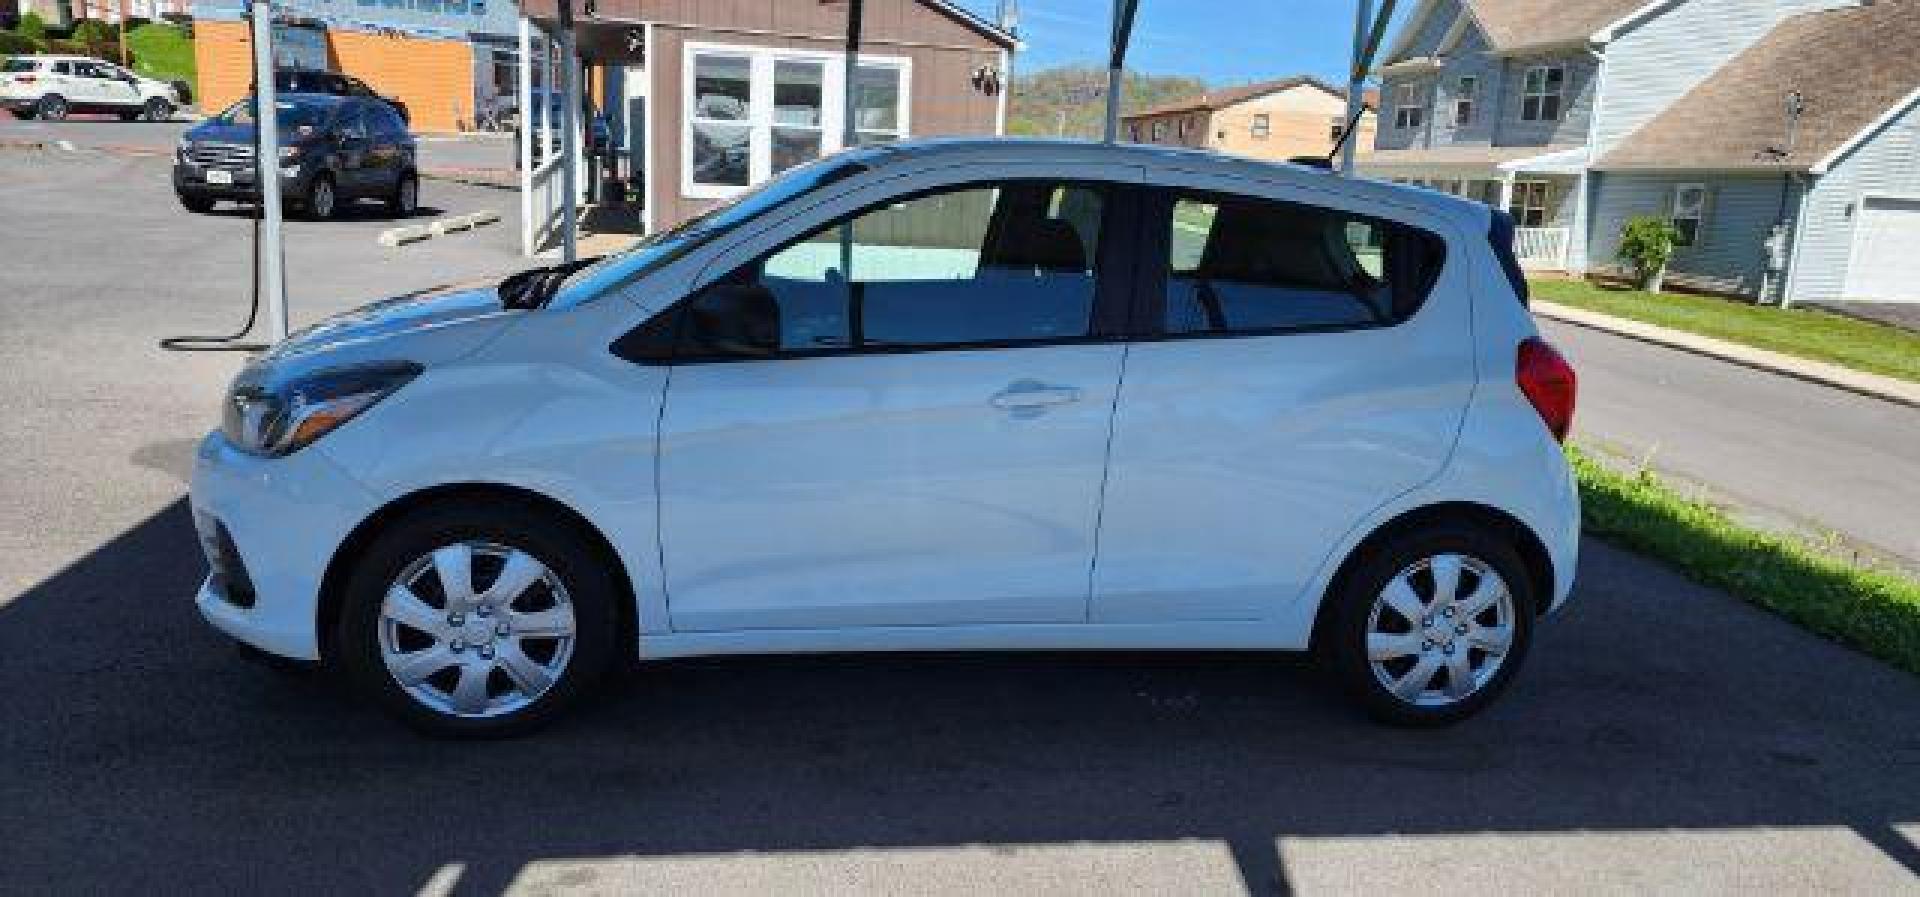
[{"x": 1106, "y": 473}]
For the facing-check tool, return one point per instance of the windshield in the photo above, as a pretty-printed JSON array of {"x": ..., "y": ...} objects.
[
  {"x": 671, "y": 244},
  {"x": 19, "y": 65},
  {"x": 291, "y": 115}
]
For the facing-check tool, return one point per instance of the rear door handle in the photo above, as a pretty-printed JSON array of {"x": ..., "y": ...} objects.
[{"x": 1032, "y": 394}]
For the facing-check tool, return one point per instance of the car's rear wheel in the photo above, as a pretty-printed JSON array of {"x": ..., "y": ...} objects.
[
  {"x": 52, "y": 107},
  {"x": 1431, "y": 625},
  {"x": 478, "y": 619},
  {"x": 157, "y": 109},
  {"x": 196, "y": 204},
  {"x": 405, "y": 200},
  {"x": 322, "y": 201}
]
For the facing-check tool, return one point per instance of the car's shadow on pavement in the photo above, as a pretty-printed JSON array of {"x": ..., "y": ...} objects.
[{"x": 140, "y": 753}]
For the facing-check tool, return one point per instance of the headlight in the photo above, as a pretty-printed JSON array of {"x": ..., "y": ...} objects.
[
  {"x": 264, "y": 418},
  {"x": 290, "y": 152}
]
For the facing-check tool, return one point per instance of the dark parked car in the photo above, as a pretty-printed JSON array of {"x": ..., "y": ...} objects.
[
  {"x": 335, "y": 83},
  {"x": 333, "y": 150}
]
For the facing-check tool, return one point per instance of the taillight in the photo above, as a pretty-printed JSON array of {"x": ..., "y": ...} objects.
[
  {"x": 1549, "y": 384},
  {"x": 23, "y": 79}
]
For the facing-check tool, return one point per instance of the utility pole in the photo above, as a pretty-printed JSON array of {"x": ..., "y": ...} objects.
[
  {"x": 1123, "y": 11},
  {"x": 850, "y": 132},
  {"x": 1356, "y": 86},
  {"x": 266, "y": 123},
  {"x": 123, "y": 33},
  {"x": 569, "y": 138}
]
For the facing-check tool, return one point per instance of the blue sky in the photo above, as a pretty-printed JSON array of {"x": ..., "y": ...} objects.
[{"x": 1222, "y": 41}]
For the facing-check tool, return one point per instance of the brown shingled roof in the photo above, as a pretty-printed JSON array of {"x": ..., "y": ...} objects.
[
  {"x": 1220, "y": 99},
  {"x": 1850, "y": 65},
  {"x": 1514, "y": 24}
]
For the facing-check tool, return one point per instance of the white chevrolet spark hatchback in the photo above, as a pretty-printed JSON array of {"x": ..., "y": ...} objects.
[{"x": 965, "y": 395}]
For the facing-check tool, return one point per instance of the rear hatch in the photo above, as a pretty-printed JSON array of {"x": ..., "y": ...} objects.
[{"x": 20, "y": 78}]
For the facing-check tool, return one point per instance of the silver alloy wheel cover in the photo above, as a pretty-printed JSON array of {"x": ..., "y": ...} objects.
[
  {"x": 323, "y": 188},
  {"x": 1468, "y": 636},
  {"x": 479, "y": 633}
]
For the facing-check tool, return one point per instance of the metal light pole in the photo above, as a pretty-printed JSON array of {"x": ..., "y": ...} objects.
[
  {"x": 850, "y": 131},
  {"x": 266, "y": 121},
  {"x": 569, "y": 138},
  {"x": 1123, "y": 11},
  {"x": 1356, "y": 84}
]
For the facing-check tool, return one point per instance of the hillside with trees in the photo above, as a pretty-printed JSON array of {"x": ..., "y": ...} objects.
[{"x": 1071, "y": 100}]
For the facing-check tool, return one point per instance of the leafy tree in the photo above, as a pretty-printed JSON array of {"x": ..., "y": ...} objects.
[{"x": 32, "y": 26}]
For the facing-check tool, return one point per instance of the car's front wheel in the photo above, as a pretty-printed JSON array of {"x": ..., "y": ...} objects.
[
  {"x": 157, "y": 109},
  {"x": 1432, "y": 624},
  {"x": 479, "y": 618},
  {"x": 322, "y": 201},
  {"x": 199, "y": 205}
]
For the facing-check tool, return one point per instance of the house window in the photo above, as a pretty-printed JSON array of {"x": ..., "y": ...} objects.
[
  {"x": 1262, "y": 125},
  {"x": 1530, "y": 200},
  {"x": 1465, "y": 92},
  {"x": 1160, "y": 131},
  {"x": 1543, "y": 90},
  {"x": 1689, "y": 212},
  {"x": 752, "y": 113},
  {"x": 1186, "y": 127},
  {"x": 1133, "y": 133},
  {"x": 1408, "y": 111},
  {"x": 1338, "y": 129}
]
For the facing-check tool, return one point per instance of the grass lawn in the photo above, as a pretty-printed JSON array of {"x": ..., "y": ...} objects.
[
  {"x": 1875, "y": 611},
  {"x": 1818, "y": 335},
  {"x": 164, "y": 52}
]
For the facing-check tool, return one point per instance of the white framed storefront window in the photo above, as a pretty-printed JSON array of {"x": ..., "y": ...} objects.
[{"x": 754, "y": 112}]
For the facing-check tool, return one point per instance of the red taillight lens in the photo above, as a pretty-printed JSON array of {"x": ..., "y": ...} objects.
[
  {"x": 1549, "y": 383},
  {"x": 23, "y": 79}
]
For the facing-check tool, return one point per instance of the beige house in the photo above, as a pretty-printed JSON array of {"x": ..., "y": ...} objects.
[{"x": 1275, "y": 120}]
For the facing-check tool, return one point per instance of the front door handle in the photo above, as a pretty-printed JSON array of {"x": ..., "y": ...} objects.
[{"x": 1030, "y": 395}]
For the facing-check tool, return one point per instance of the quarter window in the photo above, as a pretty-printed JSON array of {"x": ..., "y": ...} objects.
[
  {"x": 983, "y": 265},
  {"x": 1238, "y": 265},
  {"x": 1689, "y": 212},
  {"x": 1545, "y": 86}
]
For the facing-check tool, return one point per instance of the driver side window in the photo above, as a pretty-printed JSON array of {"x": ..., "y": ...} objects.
[
  {"x": 982, "y": 265},
  {"x": 1240, "y": 265}
]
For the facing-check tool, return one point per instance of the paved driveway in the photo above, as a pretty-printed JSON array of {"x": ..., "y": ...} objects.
[{"x": 1665, "y": 737}]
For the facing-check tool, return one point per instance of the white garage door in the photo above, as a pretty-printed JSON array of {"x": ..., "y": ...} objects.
[{"x": 1886, "y": 250}]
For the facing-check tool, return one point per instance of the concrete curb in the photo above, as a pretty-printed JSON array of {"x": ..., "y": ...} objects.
[
  {"x": 414, "y": 233},
  {"x": 477, "y": 178},
  {"x": 1889, "y": 389}
]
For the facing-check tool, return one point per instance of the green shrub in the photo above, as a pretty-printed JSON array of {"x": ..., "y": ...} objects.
[
  {"x": 93, "y": 32},
  {"x": 12, "y": 44},
  {"x": 32, "y": 27},
  {"x": 1646, "y": 244}
]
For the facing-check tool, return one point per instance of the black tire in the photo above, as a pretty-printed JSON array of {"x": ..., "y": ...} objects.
[
  {"x": 592, "y": 589},
  {"x": 52, "y": 107},
  {"x": 1346, "y": 627},
  {"x": 157, "y": 109},
  {"x": 199, "y": 205},
  {"x": 322, "y": 201},
  {"x": 405, "y": 201}
]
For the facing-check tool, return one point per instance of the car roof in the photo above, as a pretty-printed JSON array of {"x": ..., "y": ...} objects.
[
  {"x": 58, "y": 57},
  {"x": 1059, "y": 151}
]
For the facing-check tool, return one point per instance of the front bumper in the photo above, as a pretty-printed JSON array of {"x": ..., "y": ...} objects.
[
  {"x": 284, "y": 518},
  {"x": 191, "y": 180}
]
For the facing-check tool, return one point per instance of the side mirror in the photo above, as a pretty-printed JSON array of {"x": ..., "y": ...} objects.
[{"x": 732, "y": 321}]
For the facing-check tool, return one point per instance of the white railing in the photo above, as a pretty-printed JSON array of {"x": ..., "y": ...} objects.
[
  {"x": 542, "y": 205},
  {"x": 1541, "y": 247}
]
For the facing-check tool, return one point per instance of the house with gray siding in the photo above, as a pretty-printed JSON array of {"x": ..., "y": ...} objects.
[{"x": 1781, "y": 137}]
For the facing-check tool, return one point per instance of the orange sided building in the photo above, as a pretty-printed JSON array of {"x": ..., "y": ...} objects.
[{"x": 445, "y": 59}]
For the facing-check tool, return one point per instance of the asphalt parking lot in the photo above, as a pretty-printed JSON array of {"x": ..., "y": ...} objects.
[{"x": 1665, "y": 738}]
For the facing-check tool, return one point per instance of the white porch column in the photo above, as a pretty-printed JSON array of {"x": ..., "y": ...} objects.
[
  {"x": 1506, "y": 191},
  {"x": 525, "y": 149},
  {"x": 1576, "y": 250}
]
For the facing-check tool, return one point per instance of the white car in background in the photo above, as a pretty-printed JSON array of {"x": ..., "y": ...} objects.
[
  {"x": 52, "y": 87},
  {"x": 961, "y": 395}
]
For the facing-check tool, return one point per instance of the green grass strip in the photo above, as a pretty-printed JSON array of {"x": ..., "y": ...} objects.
[
  {"x": 163, "y": 51},
  {"x": 1806, "y": 333},
  {"x": 1875, "y": 611}
]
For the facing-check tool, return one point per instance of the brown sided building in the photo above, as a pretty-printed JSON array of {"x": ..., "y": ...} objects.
[
  {"x": 713, "y": 97},
  {"x": 1274, "y": 120}
]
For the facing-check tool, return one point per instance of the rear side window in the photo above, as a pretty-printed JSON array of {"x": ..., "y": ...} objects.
[
  {"x": 1239, "y": 265},
  {"x": 19, "y": 65}
]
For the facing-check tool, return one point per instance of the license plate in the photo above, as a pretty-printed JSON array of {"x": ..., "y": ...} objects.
[{"x": 219, "y": 177}]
